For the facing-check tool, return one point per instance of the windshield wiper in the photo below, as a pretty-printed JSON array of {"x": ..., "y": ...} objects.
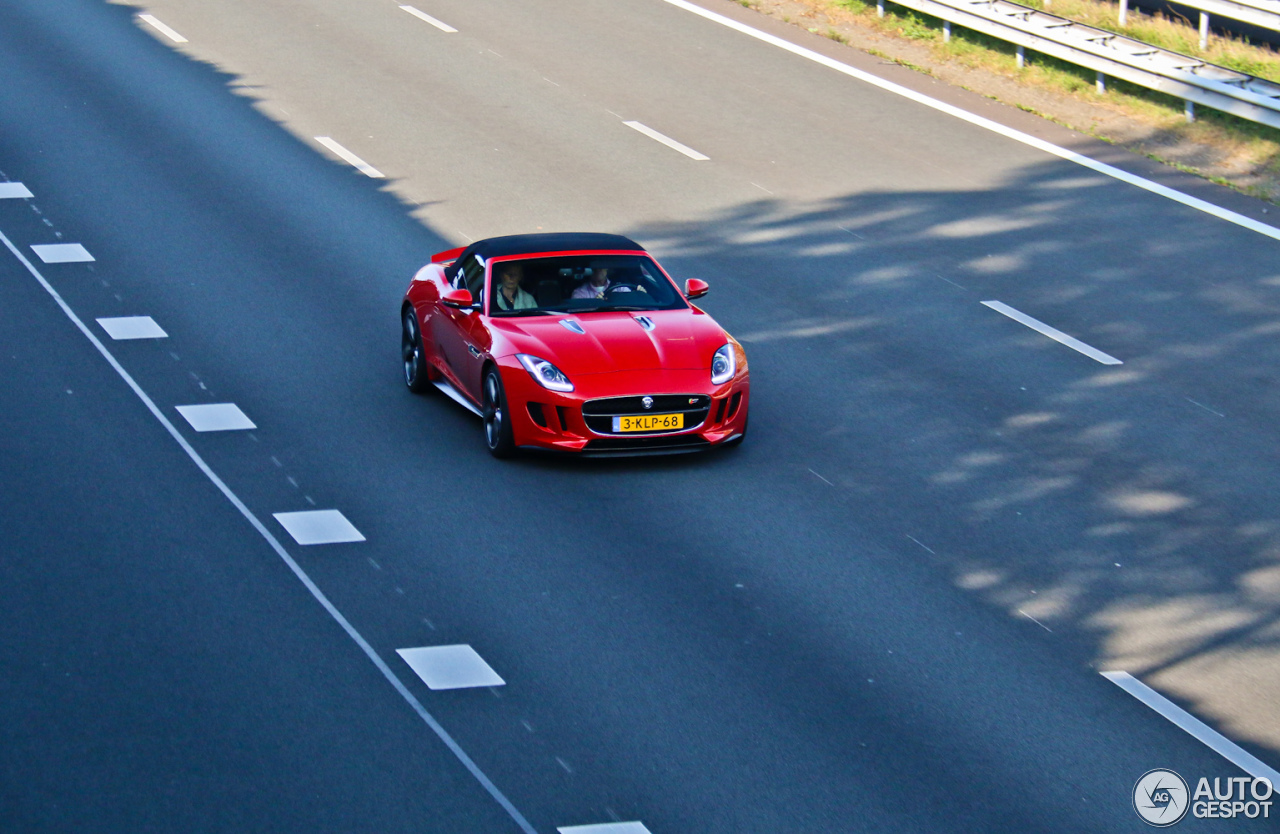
[
  {"x": 610, "y": 308},
  {"x": 505, "y": 313}
]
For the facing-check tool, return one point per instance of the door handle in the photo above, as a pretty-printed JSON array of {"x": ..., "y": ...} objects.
[{"x": 473, "y": 350}]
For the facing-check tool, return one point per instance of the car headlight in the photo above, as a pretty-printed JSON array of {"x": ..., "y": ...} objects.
[
  {"x": 547, "y": 375},
  {"x": 723, "y": 365}
]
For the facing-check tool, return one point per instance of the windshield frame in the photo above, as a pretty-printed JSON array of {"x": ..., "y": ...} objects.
[{"x": 679, "y": 302}]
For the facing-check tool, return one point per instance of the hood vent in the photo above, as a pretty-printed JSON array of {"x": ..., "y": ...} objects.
[
  {"x": 572, "y": 326},
  {"x": 645, "y": 322}
]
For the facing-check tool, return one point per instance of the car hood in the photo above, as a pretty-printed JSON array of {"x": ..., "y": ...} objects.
[{"x": 678, "y": 340}]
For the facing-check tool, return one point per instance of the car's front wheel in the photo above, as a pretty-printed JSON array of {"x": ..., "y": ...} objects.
[
  {"x": 497, "y": 424},
  {"x": 416, "y": 378}
]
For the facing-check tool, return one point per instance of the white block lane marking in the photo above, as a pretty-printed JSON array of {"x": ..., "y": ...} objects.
[
  {"x": 1052, "y": 333},
  {"x": 443, "y": 27},
  {"x": 132, "y": 327},
  {"x": 216, "y": 417},
  {"x": 62, "y": 253},
  {"x": 14, "y": 191},
  {"x": 667, "y": 140},
  {"x": 319, "y": 527},
  {"x": 151, "y": 21},
  {"x": 450, "y": 667},
  {"x": 605, "y": 828},
  {"x": 276, "y": 547},
  {"x": 360, "y": 165},
  {"x": 987, "y": 124},
  {"x": 1197, "y": 728}
]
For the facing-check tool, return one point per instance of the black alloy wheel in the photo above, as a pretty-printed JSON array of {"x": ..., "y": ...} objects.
[
  {"x": 497, "y": 426},
  {"x": 416, "y": 378}
]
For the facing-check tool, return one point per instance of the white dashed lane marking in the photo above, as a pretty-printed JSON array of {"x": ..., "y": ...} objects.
[
  {"x": 1202, "y": 732},
  {"x": 450, "y": 667},
  {"x": 350, "y": 158},
  {"x": 605, "y": 828},
  {"x": 154, "y": 23},
  {"x": 319, "y": 527},
  {"x": 62, "y": 253},
  {"x": 443, "y": 27},
  {"x": 216, "y": 417},
  {"x": 667, "y": 140},
  {"x": 14, "y": 191},
  {"x": 1052, "y": 333},
  {"x": 132, "y": 327}
]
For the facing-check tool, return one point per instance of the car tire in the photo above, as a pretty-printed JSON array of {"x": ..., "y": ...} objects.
[
  {"x": 416, "y": 376},
  {"x": 497, "y": 423}
]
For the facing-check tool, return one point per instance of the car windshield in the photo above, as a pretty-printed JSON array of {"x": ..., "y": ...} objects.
[{"x": 580, "y": 284}]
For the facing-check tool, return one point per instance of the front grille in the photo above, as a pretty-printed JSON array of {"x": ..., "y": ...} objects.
[{"x": 599, "y": 414}]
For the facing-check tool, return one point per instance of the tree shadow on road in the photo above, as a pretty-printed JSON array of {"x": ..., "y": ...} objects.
[{"x": 1126, "y": 508}]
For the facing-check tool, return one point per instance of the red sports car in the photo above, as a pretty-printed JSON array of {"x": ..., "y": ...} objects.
[{"x": 574, "y": 343}]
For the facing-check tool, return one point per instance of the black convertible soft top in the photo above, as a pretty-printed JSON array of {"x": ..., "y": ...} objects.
[{"x": 496, "y": 247}]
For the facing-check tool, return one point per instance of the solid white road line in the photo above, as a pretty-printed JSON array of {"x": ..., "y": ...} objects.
[
  {"x": 62, "y": 253},
  {"x": 667, "y": 140},
  {"x": 14, "y": 191},
  {"x": 1052, "y": 333},
  {"x": 359, "y": 164},
  {"x": 151, "y": 21},
  {"x": 605, "y": 828},
  {"x": 132, "y": 327},
  {"x": 987, "y": 124},
  {"x": 274, "y": 543},
  {"x": 1206, "y": 735},
  {"x": 443, "y": 27},
  {"x": 216, "y": 417},
  {"x": 450, "y": 667},
  {"x": 319, "y": 527}
]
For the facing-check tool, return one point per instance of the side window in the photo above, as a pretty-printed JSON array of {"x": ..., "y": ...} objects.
[{"x": 473, "y": 276}]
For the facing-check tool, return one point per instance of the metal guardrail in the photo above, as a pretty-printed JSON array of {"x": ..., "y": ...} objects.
[
  {"x": 1190, "y": 79},
  {"x": 1261, "y": 13}
]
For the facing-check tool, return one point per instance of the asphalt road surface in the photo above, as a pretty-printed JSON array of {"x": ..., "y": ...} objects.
[{"x": 887, "y": 611}]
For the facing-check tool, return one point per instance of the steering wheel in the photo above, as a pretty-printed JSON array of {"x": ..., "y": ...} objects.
[{"x": 620, "y": 289}]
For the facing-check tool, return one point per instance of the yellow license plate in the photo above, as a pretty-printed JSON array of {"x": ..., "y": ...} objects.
[{"x": 649, "y": 422}]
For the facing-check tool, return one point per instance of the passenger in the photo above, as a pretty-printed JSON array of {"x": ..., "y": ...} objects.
[{"x": 509, "y": 295}]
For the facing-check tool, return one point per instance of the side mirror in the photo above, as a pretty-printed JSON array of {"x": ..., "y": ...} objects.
[
  {"x": 457, "y": 299},
  {"x": 693, "y": 288}
]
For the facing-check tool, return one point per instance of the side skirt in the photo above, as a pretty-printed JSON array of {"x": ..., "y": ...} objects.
[{"x": 456, "y": 395}]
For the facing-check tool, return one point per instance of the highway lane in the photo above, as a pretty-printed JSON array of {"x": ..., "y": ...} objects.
[
  {"x": 615, "y": 614},
  {"x": 162, "y": 671},
  {"x": 993, "y": 217}
]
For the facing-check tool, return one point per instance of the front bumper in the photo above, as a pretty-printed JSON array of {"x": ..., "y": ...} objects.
[{"x": 551, "y": 421}]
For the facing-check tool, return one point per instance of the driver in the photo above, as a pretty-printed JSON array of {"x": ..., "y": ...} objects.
[
  {"x": 594, "y": 287},
  {"x": 509, "y": 295}
]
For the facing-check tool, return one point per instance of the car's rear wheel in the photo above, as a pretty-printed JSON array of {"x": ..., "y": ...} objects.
[
  {"x": 416, "y": 377},
  {"x": 497, "y": 424}
]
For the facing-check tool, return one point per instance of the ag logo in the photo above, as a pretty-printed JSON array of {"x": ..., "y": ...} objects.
[{"x": 1160, "y": 797}]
